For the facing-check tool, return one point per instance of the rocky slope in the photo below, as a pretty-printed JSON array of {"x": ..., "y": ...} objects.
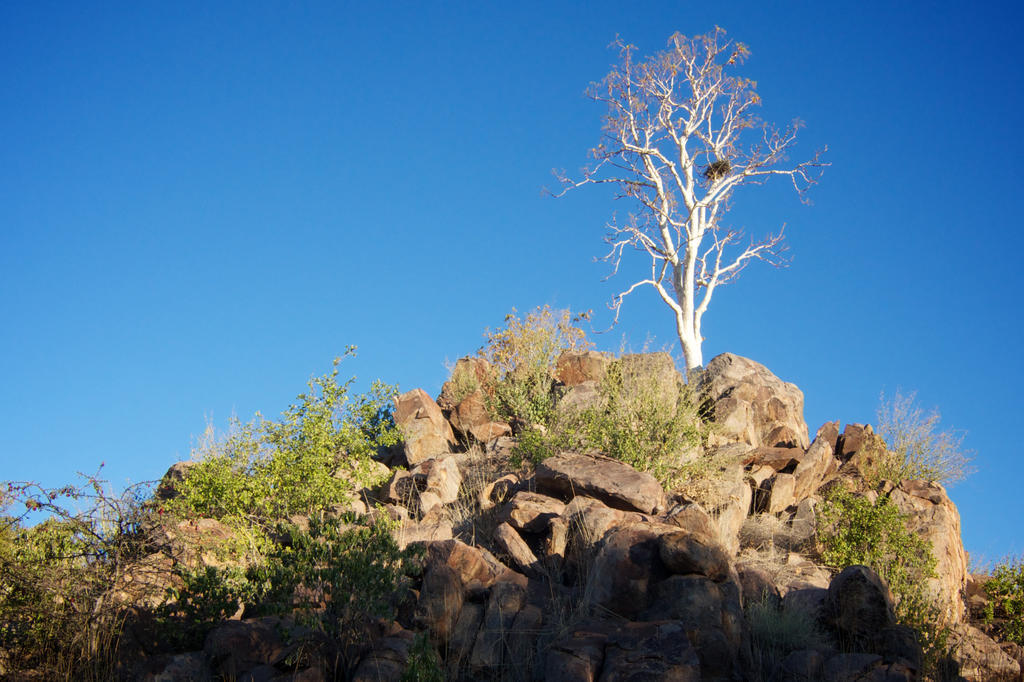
[{"x": 583, "y": 568}]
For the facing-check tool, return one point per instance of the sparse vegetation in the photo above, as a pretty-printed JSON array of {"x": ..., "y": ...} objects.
[
  {"x": 856, "y": 530},
  {"x": 309, "y": 461},
  {"x": 523, "y": 357},
  {"x": 1005, "y": 609},
  {"x": 61, "y": 588},
  {"x": 917, "y": 447},
  {"x": 633, "y": 419},
  {"x": 776, "y": 632}
]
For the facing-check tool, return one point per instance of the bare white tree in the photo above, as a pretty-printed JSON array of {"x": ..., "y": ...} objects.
[{"x": 680, "y": 137}]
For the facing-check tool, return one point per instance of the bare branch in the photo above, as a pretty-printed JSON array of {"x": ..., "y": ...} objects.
[{"x": 680, "y": 136}]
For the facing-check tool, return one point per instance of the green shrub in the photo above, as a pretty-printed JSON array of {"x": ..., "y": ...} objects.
[
  {"x": 303, "y": 464},
  {"x": 917, "y": 448},
  {"x": 1006, "y": 600},
  {"x": 856, "y": 531},
  {"x": 424, "y": 665},
  {"x": 523, "y": 357},
  {"x": 632, "y": 421},
  {"x": 335, "y": 576},
  {"x": 59, "y": 579}
]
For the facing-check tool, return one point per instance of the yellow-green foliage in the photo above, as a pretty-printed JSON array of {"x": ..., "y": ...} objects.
[
  {"x": 855, "y": 530},
  {"x": 1006, "y": 600},
  {"x": 304, "y": 463},
  {"x": 523, "y": 357},
  {"x": 633, "y": 421},
  {"x": 58, "y": 578}
]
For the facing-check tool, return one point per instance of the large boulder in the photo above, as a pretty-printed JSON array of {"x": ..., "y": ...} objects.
[
  {"x": 616, "y": 484},
  {"x": 859, "y": 605},
  {"x": 423, "y": 426},
  {"x": 934, "y": 517},
  {"x": 752, "y": 405},
  {"x": 468, "y": 375},
  {"x": 472, "y": 418},
  {"x": 627, "y": 564},
  {"x": 576, "y": 367}
]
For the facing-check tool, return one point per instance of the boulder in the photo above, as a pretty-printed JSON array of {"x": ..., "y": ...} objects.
[
  {"x": 751, "y": 405},
  {"x": 498, "y": 491},
  {"x": 472, "y": 418},
  {"x": 628, "y": 562},
  {"x": 588, "y": 520},
  {"x": 979, "y": 657},
  {"x": 172, "y": 668},
  {"x": 659, "y": 651},
  {"x": 818, "y": 464},
  {"x": 511, "y": 543},
  {"x": 440, "y": 476},
  {"x": 386, "y": 660},
  {"x": 409, "y": 532},
  {"x": 616, "y": 484},
  {"x": 531, "y": 512},
  {"x": 469, "y": 374},
  {"x": 472, "y": 565},
  {"x": 489, "y": 649},
  {"x": 684, "y": 553},
  {"x": 859, "y": 605},
  {"x": 440, "y": 601},
  {"x": 425, "y": 430},
  {"x": 168, "y": 487},
  {"x": 934, "y": 517},
  {"x": 733, "y": 507},
  {"x": 576, "y": 657},
  {"x": 236, "y": 646},
  {"x": 576, "y": 367},
  {"x": 781, "y": 487}
]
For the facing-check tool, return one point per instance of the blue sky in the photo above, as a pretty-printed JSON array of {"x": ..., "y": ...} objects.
[{"x": 201, "y": 204}]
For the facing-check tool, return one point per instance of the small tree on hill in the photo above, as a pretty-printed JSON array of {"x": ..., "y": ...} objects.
[{"x": 680, "y": 136}]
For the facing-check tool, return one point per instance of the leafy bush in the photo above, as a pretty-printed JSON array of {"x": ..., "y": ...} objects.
[
  {"x": 424, "y": 665},
  {"x": 1006, "y": 600},
  {"x": 633, "y": 421},
  {"x": 303, "y": 464},
  {"x": 917, "y": 448},
  {"x": 857, "y": 531},
  {"x": 60, "y": 609},
  {"x": 523, "y": 357},
  {"x": 336, "y": 576}
]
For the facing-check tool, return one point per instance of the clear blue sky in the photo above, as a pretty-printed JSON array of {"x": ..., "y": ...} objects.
[{"x": 201, "y": 204}]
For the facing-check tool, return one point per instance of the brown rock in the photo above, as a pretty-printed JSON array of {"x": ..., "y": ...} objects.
[
  {"x": 489, "y": 650},
  {"x": 934, "y": 517},
  {"x": 386, "y": 660},
  {"x": 575, "y": 367},
  {"x": 980, "y": 657},
  {"x": 650, "y": 651},
  {"x": 423, "y": 426},
  {"x": 235, "y": 646},
  {"x": 693, "y": 519},
  {"x": 752, "y": 405},
  {"x": 409, "y": 532},
  {"x": 616, "y": 484},
  {"x": 628, "y": 561},
  {"x": 440, "y": 601},
  {"x": 685, "y": 553},
  {"x": 471, "y": 564},
  {"x": 499, "y": 491},
  {"x": 576, "y": 658},
  {"x": 531, "y": 512},
  {"x": 589, "y": 519},
  {"x": 440, "y": 476},
  {"x": 512, "y": 544},
  {"x": 859, "y": 605},
  {"x": 472, "y": 418},
  {"x": 469, "y": 374},
  {"x": 781, "y": 487},
  {"x": 168, "y": 488}
]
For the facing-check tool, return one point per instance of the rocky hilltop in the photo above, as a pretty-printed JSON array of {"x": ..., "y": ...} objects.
[{"x": 578, "y": 566}]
